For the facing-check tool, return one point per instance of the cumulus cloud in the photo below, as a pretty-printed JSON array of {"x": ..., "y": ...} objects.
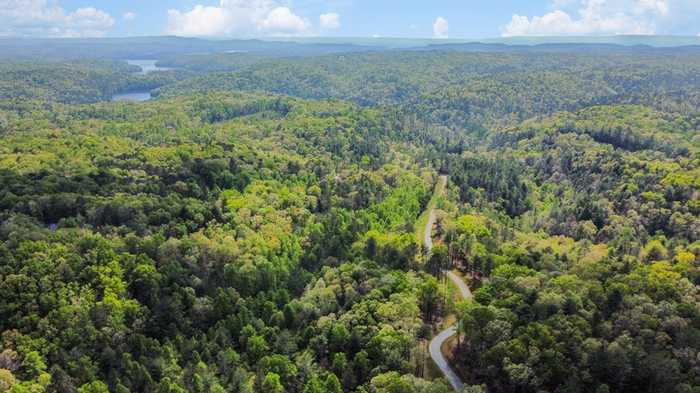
[
  {"x": 441, "y": 28},
  {"x": 237, "y": 17},
  {"x": 128, "y": 16},
  {"x": 598, "y": 17},
  {"x": 657, "y": 6},
  {"x": 48, "y": 19},
  {"x": 329, "y": 21},
  {"x": 283, "y": 20}
]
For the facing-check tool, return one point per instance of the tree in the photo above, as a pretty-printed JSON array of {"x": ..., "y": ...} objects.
[
  {"x": 391, "y": 382},
  {"x": 339, "y": 336},
  {"x": 6, "y": 380},
  {"x": 654, "y": 251},
  {"x": 272, "y": 384},
  {"x": 257, "y": 347},
  {"x": 33, "y": 365},
  {"x": 473, "y": 323},
  {"x": 94, "y": 387},
  {"x": 439, "y": 260},
  {"x": 280, "y": 365},
  {"x": 429, "y": 297},
  {"x": 332, "y": 384},
  {"x": 314, "y": 385}
]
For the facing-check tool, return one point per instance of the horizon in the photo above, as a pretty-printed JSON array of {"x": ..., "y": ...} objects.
[{"x": 571, "y": 38}]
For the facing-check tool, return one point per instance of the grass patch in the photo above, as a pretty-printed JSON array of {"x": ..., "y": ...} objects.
[
  {"x": 422, "y": 221},
  {"x": 447, "y": 348}
]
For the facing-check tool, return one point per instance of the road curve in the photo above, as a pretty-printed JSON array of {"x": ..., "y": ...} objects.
[
  {"x": 437, "y": 341},
  {"x": 440, "y": 361},
  {"x": 463, "y": 288}
]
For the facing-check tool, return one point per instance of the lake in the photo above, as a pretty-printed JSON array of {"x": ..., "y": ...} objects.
[
  {"x": 135, "y": 96},
  {"x": 147, "y": 66}
]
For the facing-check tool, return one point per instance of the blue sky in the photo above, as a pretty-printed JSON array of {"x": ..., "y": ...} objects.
[{"x": 349, "y": 18}]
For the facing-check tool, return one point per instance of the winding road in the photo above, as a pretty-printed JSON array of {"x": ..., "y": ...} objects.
[{"x": 439, "y": 340}]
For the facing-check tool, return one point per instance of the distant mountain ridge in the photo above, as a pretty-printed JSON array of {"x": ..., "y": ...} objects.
[
  {"x": 162, "y": 47},
  {"x": 622, "y": 40}
]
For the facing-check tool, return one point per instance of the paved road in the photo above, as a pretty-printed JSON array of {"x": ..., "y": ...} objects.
[
  {"x": 436, "y": 354},
  {"x": 437, "y": 341},
  {"x": 463, "y": 288},
  {"x": 428, "y": 241}
]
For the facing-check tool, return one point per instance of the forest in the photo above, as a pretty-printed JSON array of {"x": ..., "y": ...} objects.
[{"x": 258, "y": 226}]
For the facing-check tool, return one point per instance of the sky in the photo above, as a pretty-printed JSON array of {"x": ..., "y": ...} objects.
[{"x": 440, "y": 19}]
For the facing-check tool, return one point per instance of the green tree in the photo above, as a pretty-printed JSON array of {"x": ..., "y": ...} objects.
[
  {"x": 429, "y": 297},
  {"x": 272, "y": 384},
  {"x": 332, "y": 384},
  {"x": 94, "y": 387},
  {"x": 314, "y": 385}
]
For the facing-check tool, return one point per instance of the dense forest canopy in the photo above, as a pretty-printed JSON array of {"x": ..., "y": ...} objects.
[
  {"x": 259, "y": 225},
  {"x": 473, "y": 90}
]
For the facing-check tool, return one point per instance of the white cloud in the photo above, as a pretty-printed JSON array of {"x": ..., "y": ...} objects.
[
  {"x": 441, "y": 28},
  {"x": 657, "y": 6},
  {"x": 283, "y": 20},
  {"x": 602, "y": 17},
  {"x": 329, "y": 21},
  {"x": 44, "y": 18},
  {"x": 236, "y": 18},
  {"x": 129, "y": 16}
]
